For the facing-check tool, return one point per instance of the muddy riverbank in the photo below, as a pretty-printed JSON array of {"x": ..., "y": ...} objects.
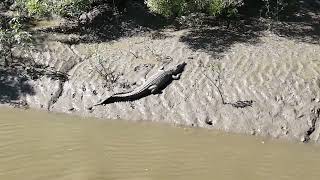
[{"x": 269, "y": 87}]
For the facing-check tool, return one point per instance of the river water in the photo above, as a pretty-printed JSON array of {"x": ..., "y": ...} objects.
[{"x": 46, "y": 146}]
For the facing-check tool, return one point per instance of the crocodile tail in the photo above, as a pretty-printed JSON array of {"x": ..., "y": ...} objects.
[
  {"x": 106, "y": 101},
  {"x": 123, "y": 97}
]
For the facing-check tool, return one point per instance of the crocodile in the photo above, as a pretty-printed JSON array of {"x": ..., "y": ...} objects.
[{"x": 153, "y": 85}]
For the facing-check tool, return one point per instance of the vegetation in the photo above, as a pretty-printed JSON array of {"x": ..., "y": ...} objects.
[
  {"x": 12, "y": 35},
  {"x": 273, "y": 9},
  {"x": 72, "y": 8},
  {"x": 276, "y": 9},
  {"x": 169, "y": 8},
  {"x": 173, "y": 8},
  {"x": 42, "y": 8}
]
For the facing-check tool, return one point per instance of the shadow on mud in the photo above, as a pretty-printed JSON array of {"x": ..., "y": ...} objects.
[
  {"x": 214, "y": 35},
  {"x": 13, "y": 86},
  {"x": 302, "y": 25},
  {"x": 218, "y": 39},
  {"x": 109, "y": 25},
  {"x": 15, "y": 79}
]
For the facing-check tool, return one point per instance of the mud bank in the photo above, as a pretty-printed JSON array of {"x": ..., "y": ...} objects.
[{"x": 269, "y": 86}]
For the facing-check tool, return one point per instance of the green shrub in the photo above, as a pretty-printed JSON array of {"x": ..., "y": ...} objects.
[
  {"x": 12, "y": 35},
  {"x": 36, "y": 7},
  {"x": 223, "y": 8},
  {"x": 72, "y": 8},
  {"x": 167, "y": 8},
  {"x": 215, "y": 7},
  {"x": 40, "y": 8},
  {"x": 172, "y": 8}
]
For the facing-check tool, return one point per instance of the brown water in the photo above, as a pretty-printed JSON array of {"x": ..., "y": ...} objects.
[{"x": 41, "y": 146}]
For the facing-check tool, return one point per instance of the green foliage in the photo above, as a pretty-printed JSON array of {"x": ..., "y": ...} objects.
[
  {"x": 223, "y": 8},
  {"x": 273, "y": 9},
  {"x": 35, "y": 8},
  {"x": 40, "y": 8},
  {"x": 12, "y": 35},
  {"x": 172, "y": 8},
  {"x": 72, "y": 8},
  {"x": 167, "y": 8},
  {"x": 215, "y": 7}
]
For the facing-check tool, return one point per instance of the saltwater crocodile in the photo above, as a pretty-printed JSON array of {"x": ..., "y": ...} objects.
[{"x": 153, "y": 85}]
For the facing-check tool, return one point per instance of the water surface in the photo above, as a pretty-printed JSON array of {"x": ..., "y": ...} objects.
[{"x": 41, "y": 146}]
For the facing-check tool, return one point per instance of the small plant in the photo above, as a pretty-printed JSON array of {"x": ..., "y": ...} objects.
[
  {"x": 274, "y": 9},
  {"x": 41, "y": 8},
  {"x": 215, "y": 7},
  {"x": 109, "y": 76},
  {"x": 36, "y": 7}
]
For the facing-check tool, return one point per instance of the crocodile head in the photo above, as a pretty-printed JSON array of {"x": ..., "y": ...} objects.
[{"x": 179, "y": 68}]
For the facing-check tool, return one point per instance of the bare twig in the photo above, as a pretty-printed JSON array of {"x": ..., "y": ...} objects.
[
  {"x": 158, "y": 56},
  {"x": 154, "y": 54},
  {"x": 136, "y": 56},
  {"x": 217, "y": 83},
  {"x": 218, "y": 88},
  {"x": 109, "y": 76}
]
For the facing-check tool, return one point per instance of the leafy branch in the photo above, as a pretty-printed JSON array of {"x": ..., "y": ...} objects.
[{"x": 12, "y": 35}]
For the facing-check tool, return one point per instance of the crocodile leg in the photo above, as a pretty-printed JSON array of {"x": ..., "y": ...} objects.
[
  {"x": 154, "y": 89},
  {"x": 161, "y": 68},
  {"x": 141, "y": 82},
  {"x": 176, "y": 77}
]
